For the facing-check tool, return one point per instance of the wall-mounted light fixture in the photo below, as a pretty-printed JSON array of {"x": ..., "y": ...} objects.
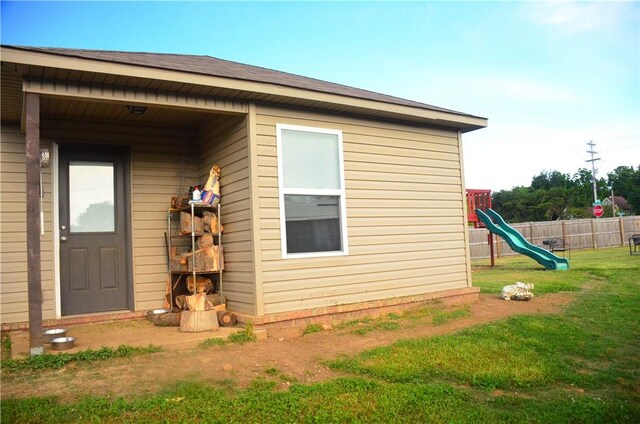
[{"x": 136, "y": 110}]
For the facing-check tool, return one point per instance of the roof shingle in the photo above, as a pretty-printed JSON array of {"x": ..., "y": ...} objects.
[{"x": 211, "y": 66}]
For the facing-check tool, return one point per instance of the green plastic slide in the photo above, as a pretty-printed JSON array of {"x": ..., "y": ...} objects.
[{"x": 518, "y": 243}]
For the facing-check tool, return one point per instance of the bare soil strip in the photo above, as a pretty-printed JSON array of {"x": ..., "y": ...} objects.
[{"x": 296, "y": 360}]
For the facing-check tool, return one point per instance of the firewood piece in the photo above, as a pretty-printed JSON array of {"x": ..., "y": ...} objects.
[
  {"x": 205, "y": 241},
  {"x": 210, "y": 221},
  {"x": 215, "y": 299},
  {"x": 179, "y": 201},
  {"x": 170, "y": 319},
  {"x": 185, "y": 224},
  {"x": 209, "y": 259},
  {"x": 196, "y": 302},
  {"x": 227, "y": 319},
  {"x": 179, "y": 263},
  {"x": 180, "y": 301},
  {"x": 202, "y": 284},
  {"x": 167, "y": 294},
  {"x": 198, "y": 321}
]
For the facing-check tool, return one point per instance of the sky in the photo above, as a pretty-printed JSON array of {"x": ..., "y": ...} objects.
[{"x": 549, "y": 76}]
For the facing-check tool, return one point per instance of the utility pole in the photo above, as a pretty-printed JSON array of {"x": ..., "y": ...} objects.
[{"x": 593, "y": 160}]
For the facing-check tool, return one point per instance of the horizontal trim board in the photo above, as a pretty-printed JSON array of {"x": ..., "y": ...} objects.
[{"x": 128, "y": 95}]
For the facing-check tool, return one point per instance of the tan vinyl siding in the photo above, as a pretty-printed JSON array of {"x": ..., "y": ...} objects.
[
  {"x": 156, "y": 175},
  {"x": 14, "y": 303},
  {"x": 224, "y": 142},
  {"x": 405, "y": 215},
  {"x": 159, "y": 158}
]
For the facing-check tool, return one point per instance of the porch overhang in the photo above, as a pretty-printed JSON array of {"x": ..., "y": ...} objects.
[{"x": 85, "y": 72}]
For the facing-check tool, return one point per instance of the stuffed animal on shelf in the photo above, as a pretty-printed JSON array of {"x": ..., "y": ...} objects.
[{"x": 212, "y": 187}]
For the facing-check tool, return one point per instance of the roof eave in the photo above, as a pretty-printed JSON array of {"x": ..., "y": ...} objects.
[{"x": 461, "y": 122}]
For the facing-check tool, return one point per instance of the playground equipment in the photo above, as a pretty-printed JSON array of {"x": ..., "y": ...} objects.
[
  {"x": 497, "y": 225},
  {"x": 480, "y": 199},
  {"x": 477, "y": 199}
]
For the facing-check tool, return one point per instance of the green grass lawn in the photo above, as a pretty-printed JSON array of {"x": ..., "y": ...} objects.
[{"x": 581, "y": 366}]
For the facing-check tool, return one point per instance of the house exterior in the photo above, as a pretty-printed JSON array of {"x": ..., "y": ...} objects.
[
  {"x": 333, "y": 198},
  {"x": 621, "y": 204}
]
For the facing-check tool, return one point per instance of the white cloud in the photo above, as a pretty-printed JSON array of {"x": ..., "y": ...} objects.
[
  {"x": 504, "y": 156},
  {"x": 574, "y": 17}
]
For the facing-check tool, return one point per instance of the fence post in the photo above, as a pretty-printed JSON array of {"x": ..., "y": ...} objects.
[
  {"x": 621, "y": 231},
  {"x": 593, "y": 234},
  {"x": 564, "y": 231}
]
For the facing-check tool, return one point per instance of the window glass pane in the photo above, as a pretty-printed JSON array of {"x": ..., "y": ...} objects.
[
  {"x": 313, "y": 223},
  {"x": 310, "y": 160},
  {"x": 91, "y": 197}
]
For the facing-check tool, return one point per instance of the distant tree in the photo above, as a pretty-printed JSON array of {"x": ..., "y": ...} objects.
[
  {"x": 515, "y": 205},
  {"x": 626, "y": 183},
  {"x": 582, "y": 187},
  {"x": 550, "y": 179},
  {"x": 553, "y": 195}
]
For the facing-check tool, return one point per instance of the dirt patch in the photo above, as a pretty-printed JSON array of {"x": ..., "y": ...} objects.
[{"x": 284, "y": 360}]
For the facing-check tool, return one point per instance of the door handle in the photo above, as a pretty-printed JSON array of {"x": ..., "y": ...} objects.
[{"x": 63, "y": 239}]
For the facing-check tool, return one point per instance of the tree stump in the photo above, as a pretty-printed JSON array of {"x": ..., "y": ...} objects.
[{"x": 198, "y": 321}]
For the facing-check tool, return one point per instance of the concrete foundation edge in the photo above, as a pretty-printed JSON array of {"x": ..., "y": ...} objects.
[{"x": 294, "y": 321}]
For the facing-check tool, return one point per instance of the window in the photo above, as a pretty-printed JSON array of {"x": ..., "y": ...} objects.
[
  {"x": 312, "y": 193},
  {"x": 91, "y": 197}
]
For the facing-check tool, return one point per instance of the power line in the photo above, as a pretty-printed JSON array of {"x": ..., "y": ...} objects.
[{"x": 593, "y": 160}]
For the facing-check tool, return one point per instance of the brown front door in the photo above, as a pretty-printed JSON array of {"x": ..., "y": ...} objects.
[{"x": 93, "y": 230}]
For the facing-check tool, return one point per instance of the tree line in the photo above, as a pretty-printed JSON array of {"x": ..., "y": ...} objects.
[{"x": 553, "y": 195}]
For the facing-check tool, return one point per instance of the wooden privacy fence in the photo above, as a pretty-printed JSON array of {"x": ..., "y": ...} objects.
[{"x": 576, "y": 234}]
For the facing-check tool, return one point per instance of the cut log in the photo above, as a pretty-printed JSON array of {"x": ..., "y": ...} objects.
[
  {"x": 209, "y": 259},
  {"x": 167, "y": 294},
  {"x": 178, "y": 202},
  {"x": 227, "y": 319},
  {"x": 198, "y": 321},
  {"x": 210, "y": 221},
  {"x": 170, "y": 319},
  {"x": 180, "y": 301},
  {"x": 205, "y": 241},
  {"x": 185, "y": 224},
  {"x": 196, "y": 302},
  {"x": 213, "y": 301},
  {"x": 179, "y": 263},
  {"x": 202, "y": 284}
]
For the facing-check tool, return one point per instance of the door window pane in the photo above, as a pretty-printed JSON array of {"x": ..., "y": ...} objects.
[
  {"x": 91, "y": 197},
  {"x": 313, "y": 223},
  {"x": 310, "y": 160}
]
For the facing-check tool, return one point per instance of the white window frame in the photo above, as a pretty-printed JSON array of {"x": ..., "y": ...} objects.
[{"x": 282, "y": 191}]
